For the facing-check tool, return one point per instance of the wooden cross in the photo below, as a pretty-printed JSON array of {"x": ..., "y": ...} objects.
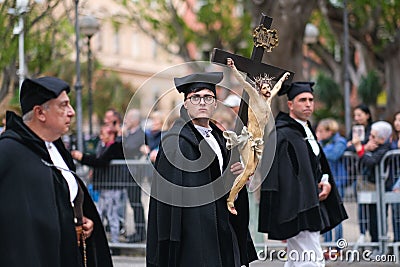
[{"x": 263, "y": 40}]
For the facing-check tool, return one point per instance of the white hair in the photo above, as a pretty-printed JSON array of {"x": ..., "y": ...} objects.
[
  {"x": 383, "y": 129},
  {"x": 29, "y": 115},
  {"x": 134, "y": 114}
]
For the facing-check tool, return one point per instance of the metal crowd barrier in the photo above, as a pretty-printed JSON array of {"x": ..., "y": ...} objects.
[
  {"x": 357, "y": 192},
  {"x": 132, "y": 176},
  {"x": 389, "y": 171},
  {"x": 365, "y": 201}
]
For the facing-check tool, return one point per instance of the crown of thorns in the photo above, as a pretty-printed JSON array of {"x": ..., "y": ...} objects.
[{"x": 262, "y": 79}]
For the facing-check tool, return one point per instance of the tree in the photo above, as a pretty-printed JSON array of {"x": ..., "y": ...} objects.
[
  {"x": 189, "y": 29},
  {"x": 111, "y": 92},
  {"x": 374, "y": 42},
  {"x": 178, "y": 25},
  {"x": 328, "y": 92},
  {"x": 47, "y": 39},
  {"x": 369, "y": 88}
]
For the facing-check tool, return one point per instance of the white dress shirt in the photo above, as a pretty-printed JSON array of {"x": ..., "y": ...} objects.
[
  {"x": 59, "y": 162},
  {"x": 206, "y": 133}
]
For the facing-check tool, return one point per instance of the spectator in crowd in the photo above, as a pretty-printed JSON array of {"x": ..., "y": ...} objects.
[
  {"x": 362, "y": 116},
  {"x": 299, "y": 199},
  {"x": 3, "y": 128},
  {"x": 110, "y": 187},
  {"x": 333, "y": 145},
  {"x": 133, "y": 139},
  {"x": 191, "y": 235},
  {"x": 153, "y": 135},
  {"x": 395, "y": 144},
  {"x": 395, "y": 140},
  {"x": 370, "y": 155},
  {"x": 396, "y": 186},
  {"x": 47, "y": 215},
  {"x": 113, "y": 119},
  {"x": 134, "y": 136}
]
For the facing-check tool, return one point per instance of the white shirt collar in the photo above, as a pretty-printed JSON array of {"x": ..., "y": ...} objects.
[
  {"x": 303, "y": 123},
  {"x": 205, "y": 132},
  {"x": 310, "y": 137}
]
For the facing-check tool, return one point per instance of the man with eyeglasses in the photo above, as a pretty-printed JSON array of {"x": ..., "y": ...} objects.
[{"x": 192, "y": 156}]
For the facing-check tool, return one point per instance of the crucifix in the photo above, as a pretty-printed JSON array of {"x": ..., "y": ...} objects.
[
  {"x": 250, "y": 124},
  {"x": 264, "y": 40}
]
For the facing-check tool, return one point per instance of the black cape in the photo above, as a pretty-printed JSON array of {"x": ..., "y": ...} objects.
[
  {"x": 206, "y": 235},
  {"x": 289, "y": 194},
  {"x": 37, "y": 221}
]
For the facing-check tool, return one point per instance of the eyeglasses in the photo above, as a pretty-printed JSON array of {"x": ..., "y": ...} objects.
[{"x": 196, "y": 99}]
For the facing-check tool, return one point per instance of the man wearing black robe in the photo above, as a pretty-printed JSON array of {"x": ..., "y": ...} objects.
[
  {"x": 196, "y": 232},
  {"x": 38, "y": 211},
  {"x": 299, "y": 195}
]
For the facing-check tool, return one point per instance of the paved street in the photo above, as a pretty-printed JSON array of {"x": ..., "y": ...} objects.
[
  {"x": 123, "y": 261},
  {"x": 351, "y": 233}
]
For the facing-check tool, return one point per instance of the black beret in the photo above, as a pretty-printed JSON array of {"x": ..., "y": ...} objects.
[
  {"x": 38, "y": 91},
  {"x": 195, "y": 81},
  {"x": 296, "y": 88}
]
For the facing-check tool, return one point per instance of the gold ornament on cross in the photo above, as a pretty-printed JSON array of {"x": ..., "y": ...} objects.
[{"x": 265, "y": 37}]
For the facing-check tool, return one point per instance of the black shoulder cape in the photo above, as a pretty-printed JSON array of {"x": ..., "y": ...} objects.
[
  {"x": 37, "y": 225},
  {"x": 289, "y": 194}
]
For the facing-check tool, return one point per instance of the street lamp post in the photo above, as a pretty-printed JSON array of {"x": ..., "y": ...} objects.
[
  {"x": 311, "y": 34},
  {"x": 78, "y": 85},
  {"x": 89, "y": 26},
  {"x": 346, "y": 68},
  {"x": 21, "y": 7}
]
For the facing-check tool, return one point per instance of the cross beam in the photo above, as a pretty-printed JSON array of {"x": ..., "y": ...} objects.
[{"x": 253, "y": 67}]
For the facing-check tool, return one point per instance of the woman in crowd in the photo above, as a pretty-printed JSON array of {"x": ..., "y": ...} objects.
[
  {"x": 361, "y": 116},
  {"x": 395, "y": 144},
  {"x": 334, "y": 146}
]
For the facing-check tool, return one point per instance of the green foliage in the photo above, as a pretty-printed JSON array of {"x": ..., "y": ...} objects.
[
  {"x": 325, "y": 32},
  {"x": 176, "y": 25},
  {"x": 373, "y": 24},
  {"x": 46, "y": 44},
  {"x": 378, "y": 21},
  {"x": 47, "y": 41},
  {"x": 14, "y": 102},
  {"x": 374, "y": 28},
  {"x": 110, "y": 91},
  {"x": 327, "y": 112},
  {"x": 328, "y": 93},
  {"x": 369, "y": 88},
  {"x": 327, "y": 90}
]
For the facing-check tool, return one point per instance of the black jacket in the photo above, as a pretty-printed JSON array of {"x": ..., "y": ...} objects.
[
  {"x": 370, "y": 160},
  {"x": 106, "y": 176},
  {"x": 289, "y": 194},
  {"x": 37, "y": 221},
  {"x": 198, "y": 235}
]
